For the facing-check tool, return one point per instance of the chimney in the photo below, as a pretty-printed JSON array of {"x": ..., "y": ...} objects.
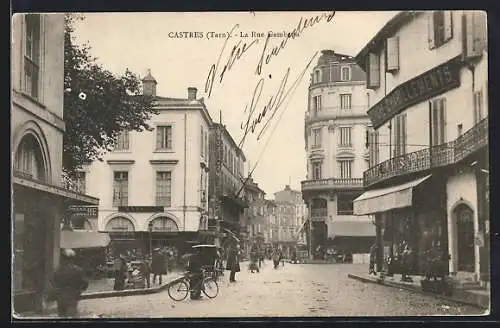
[
  {"x": 192, "y": 93},
  {"x": 149, "y": 85}
]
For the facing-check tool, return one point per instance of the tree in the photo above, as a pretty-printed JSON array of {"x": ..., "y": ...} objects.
[{"x": 98, "y": 104}]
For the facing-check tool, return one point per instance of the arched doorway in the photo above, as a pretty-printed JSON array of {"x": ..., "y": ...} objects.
[
  {"x": 464, "y": 218},
  {"x": 123, "y": 237},
  {"x": 163, "y": 230}
]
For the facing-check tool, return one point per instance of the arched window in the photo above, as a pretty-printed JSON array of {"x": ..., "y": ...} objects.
[
  {"x": 29, "y": 159},
  {"x": 120, "y": 224},
  {"x": 164, "y": 224}
]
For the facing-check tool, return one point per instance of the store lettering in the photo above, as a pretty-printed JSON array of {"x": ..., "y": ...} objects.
[{"x": 436, "y": 81}]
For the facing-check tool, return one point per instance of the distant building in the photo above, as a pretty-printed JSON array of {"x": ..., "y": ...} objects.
[
  {"x": 427, "y": 185},
  {"x": 253, "y": 223},
  {"x": 226, "y": 178},
  {"x": 153, "y": 186},
  {"x": 336, "y": 126},
  {"x": 39, "y": 200}
]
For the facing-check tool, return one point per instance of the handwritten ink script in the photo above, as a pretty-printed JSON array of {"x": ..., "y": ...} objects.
[
  {"x": 274, "y": 104},
  {"x": 240, "y": 43},
  {"x": 267, "y": 53}
]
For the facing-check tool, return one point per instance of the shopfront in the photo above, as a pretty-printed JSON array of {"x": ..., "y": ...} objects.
[{"x": 410, "y": 225}]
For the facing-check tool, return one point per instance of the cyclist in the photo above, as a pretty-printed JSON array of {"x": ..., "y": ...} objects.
[{"x": 195, "y": 274}]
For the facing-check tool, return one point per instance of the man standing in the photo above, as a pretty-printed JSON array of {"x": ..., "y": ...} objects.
[
  {"x": 373, "y": 258},
  {"x": 69, "y": 282},
  {"x": 233, "y": 263},
  {"x": 158, "y": 265}
]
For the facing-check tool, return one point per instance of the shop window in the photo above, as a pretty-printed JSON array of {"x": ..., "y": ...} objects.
[{"x": 345, "y": 204}]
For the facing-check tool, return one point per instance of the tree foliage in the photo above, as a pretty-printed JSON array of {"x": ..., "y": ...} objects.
[{"x": 97, "y": 104}]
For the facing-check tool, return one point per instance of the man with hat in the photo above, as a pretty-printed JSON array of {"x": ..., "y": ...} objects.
[
  {"x": 158, "y": 266},
  {"x": 69, "y": 282}
]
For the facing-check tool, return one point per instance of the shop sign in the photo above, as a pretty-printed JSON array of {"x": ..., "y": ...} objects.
[
  {"x": 84, "y": 211},
  {"x": 140, "y": 209},
  {"x": 425, "y": 86}
]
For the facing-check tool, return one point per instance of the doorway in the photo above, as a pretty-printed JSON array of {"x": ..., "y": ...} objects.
[{"x": 465, "y": 237}]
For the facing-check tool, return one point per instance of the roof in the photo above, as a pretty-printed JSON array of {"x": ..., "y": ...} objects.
[
  {"x": 84, "y": 239},
  {"x": 352, "y": 229},
  {"x": 330, "y": 56},
  {"x": 169, "y": 103},
  {"x": 394, "y": 24},
  {"x": 149, "y": 77}
]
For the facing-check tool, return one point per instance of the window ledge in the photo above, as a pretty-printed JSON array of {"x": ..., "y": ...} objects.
[
  {"x": 122, "y": 151},
  {"x": 163, "y": 151},
  {"x": 30, "y": 98}
]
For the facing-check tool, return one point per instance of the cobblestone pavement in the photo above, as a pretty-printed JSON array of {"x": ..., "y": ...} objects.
[{"x": 292, "y": 290}]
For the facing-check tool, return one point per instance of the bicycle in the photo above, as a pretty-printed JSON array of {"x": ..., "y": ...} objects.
[{"x": 180, "y": 289}]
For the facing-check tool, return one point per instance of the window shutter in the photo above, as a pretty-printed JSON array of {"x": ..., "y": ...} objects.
[
  {"x": 158, "y": 137},
  {"x": 476, "y": 109},
  {"x": 374, "y": 71},
  {"x": 392, "y": 51},
  {"x": 448, "y": 25},
  {"x": 404, "y": 134},
  {"x": 442, "y": 119},
  {"x": 434, "y": 122},
  {"x": 430, "y": 30}
]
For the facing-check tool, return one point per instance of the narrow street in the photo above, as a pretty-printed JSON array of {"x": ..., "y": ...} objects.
[{"x": 292, "y": 290}]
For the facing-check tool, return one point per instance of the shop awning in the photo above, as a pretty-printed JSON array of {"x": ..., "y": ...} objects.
[
  {"x": 352, "y": 229},
  {"x": 84, "y": 239},
  {"x": 381, "y": 200}
]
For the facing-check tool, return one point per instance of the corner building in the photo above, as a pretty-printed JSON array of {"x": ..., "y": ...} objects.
[
  {"x": 39, "y": 201},
  {"x": 335, "y": 130},
  {"x": 154, "y": 184},
  {"x": 428, "y": 183}
]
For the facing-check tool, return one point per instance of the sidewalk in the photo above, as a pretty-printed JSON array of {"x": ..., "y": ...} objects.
[{"x": 478, "y": 298}]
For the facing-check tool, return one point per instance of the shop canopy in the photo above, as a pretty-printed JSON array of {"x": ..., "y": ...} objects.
[
  {"x": 381, "y": 200},
  {"x": 352, "y": 229},
  {"x": 84, "y": 239}
]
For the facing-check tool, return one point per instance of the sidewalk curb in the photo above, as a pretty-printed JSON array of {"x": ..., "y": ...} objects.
[
  {"x": 128, "y": 292},
  {"x": 466, "y": 299}
]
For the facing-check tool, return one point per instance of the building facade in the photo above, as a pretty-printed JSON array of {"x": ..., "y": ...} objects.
[
  {"x": 154, "y": 184},
  {"x": 336, "y": 125},
  {"x": 37, "y": 127},
  {"x": 227, "y": 199},
  {"x": 427, "y": 184},
  {"x": 253, "y": 221}
]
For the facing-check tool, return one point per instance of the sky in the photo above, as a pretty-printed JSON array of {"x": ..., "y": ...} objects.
[{"x": 142, "y": 41}]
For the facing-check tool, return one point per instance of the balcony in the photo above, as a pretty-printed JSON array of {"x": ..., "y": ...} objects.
[
  {"x": 332, "y": 183},
  {"x": 432, "y": 157},
  {"x": 331, "y": 113}
]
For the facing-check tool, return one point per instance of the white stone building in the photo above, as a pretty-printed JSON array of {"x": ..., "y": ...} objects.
[
  {"x": 336, "y": 125},
  {"x": 428, "y": 182},
  {"x": 153, "y": 186}
]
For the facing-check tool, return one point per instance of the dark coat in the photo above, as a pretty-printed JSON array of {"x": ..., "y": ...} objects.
[
  {"x": 69, "y": 283},
  {"x": 233, "y": 263},
  {"x": 158, "y": 264}
]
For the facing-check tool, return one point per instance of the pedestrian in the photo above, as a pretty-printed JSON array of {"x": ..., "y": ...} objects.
[
  {"x": 144, "y": 270},
  {"x": 120, "y": 268},
  {"x": 253, "y": 259},
  {"x": 373, "y": 258},
  {"x": 68, "y": 283},
  {"x": 158, "y": 265},
  {"x": 276, "y": 257},
  {"x": 233, "y": 263}
]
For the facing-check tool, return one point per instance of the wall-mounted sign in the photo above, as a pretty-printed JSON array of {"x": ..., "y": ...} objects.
[
  {"x": 425, "y": 86},
  {"x": 140, "y": 209},
  {"x": 84, "y": 211}
]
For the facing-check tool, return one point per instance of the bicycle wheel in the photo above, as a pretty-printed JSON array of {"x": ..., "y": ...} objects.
[
  {"x": 210, "y": 287},
  {"x": 179, "y": 290}
]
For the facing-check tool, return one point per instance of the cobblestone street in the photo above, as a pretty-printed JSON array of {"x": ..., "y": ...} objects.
[{"x": 292, "y": 290}]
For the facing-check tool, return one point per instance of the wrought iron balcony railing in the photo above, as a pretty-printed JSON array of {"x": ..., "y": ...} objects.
[
  {"x": 332, "y": 183},
  {"x": 432, "y": 157}
]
